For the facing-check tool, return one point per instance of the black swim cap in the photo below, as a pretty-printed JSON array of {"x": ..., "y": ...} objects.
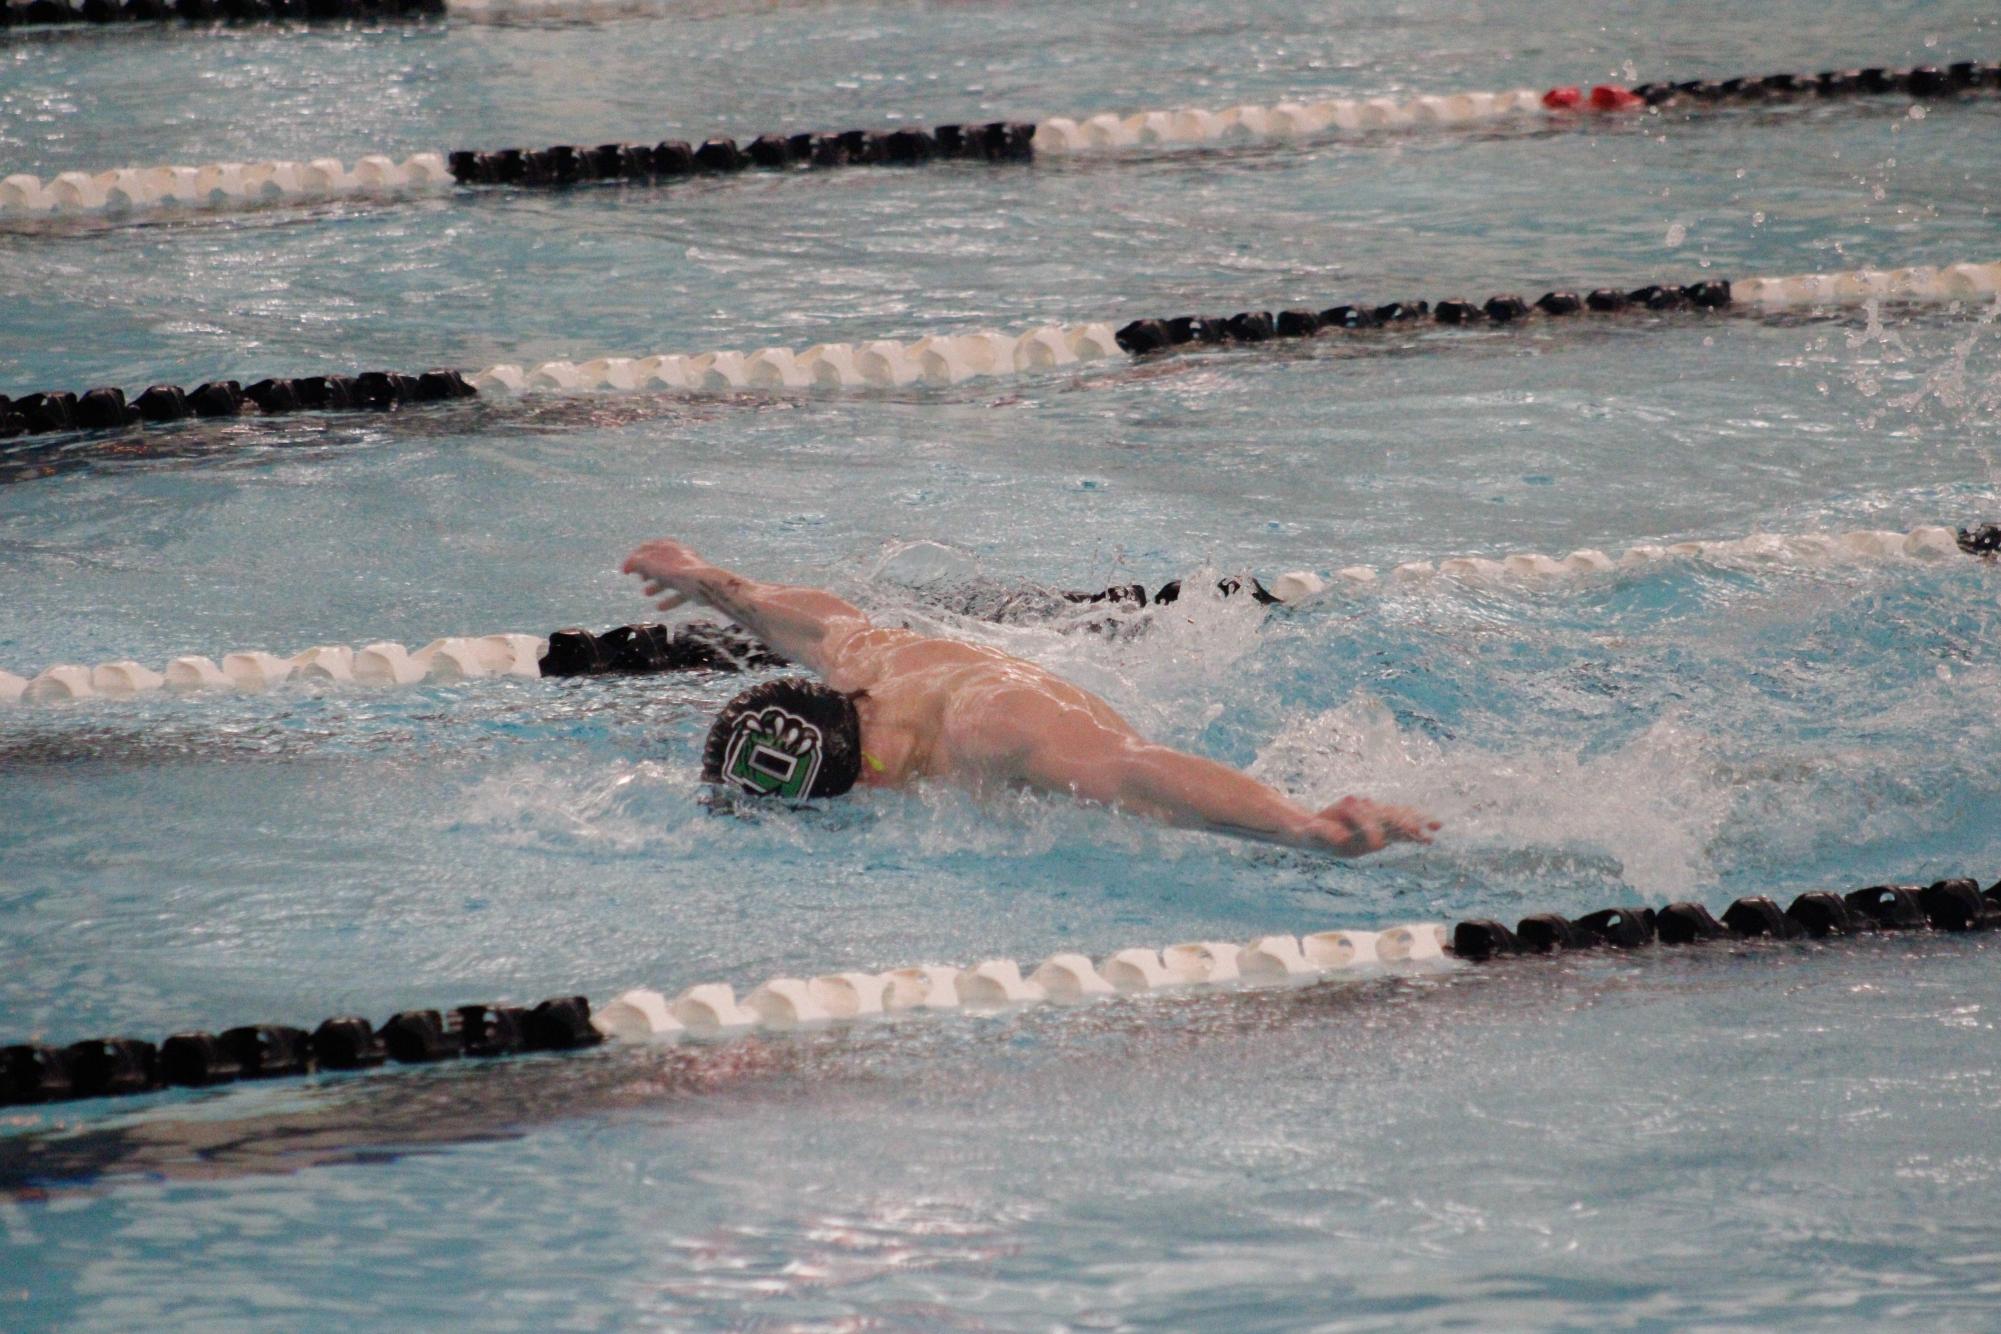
[{"x": 792, "y": 738}]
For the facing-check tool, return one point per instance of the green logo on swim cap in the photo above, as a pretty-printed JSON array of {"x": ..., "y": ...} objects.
[{"x": 773, "y": 753}]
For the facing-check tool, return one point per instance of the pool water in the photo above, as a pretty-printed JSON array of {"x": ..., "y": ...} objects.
[{"x": 1786, "y": 1136}]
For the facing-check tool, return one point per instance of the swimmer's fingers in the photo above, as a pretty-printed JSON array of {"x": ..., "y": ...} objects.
[
  {"x": 1368, "y": 836},
  {"x": 655, "y": 587},
  {"x": 660, "y": 559},
  {"x": 1407, "y": 824},
  {"x": 1349, "y": 828},
  {"x": 1413, "y": 833},
  {"x": 1356, "y": 826}
]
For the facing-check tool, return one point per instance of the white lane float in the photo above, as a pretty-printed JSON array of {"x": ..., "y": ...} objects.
[
  {"x": 217, "y": 186},
  {"x": 1273, "y": 959},
  {"x": 59, "y": 684},
  {"x": 252, "y": 670},
  {"x": 940, "y": 360},
  {"x": 995, "y": 983},
  {"x": 1415, "y": 941},
  {"x": 385, "y": 664},
  {"x": 711, "y": 1010},
  {"x": 850, "y": 995},
  {"x": 1070, "y": 977},
  {"x": 927, "y": 986},
  {"x": 1203, "y": 961},
  {"x": 786, "y": 1002},
  {"x": 1139, "y": 969},
  {"x": 124, "y": 677},
  {"x": 1065, "y": 135},
  {"x": 1332, "y": 950},
  {"x": 638, "y": 1015}
]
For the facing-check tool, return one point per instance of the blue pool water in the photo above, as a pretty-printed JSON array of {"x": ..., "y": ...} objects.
[{"x": 1785, "y": 1136}]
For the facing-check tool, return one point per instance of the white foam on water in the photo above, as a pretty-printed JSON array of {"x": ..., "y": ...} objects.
[
  {"x": 1651, "y": 805},
  {"x": 924, "y": 565},
  {"x": 645, "y": 807},
  {"x": 942, "y": 819}
]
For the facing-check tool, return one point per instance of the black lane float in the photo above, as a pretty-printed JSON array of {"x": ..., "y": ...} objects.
[
  {"x": 38, "y": 13},
  {"x": 1957, "y": 904},
  {"x": 1155, "y": 335},
  {"x": 562, "y": 165},
  {"x": 1961, "y": 76},
  {"x": 108, "y": 409},
  {"x": 114, "y": 1067}
]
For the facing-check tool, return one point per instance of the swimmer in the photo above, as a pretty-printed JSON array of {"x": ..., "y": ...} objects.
[{"x": 893, "y": 707}]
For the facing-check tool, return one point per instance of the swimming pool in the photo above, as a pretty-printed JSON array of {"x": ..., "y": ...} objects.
[{"x": 1785, "y": 1135}]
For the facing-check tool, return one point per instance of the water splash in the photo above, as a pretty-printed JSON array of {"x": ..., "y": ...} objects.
[
  {"x": 1646, "y": 812},
  {"x": 1911, "y": 385},
  {"x": 646, "y": 807}
]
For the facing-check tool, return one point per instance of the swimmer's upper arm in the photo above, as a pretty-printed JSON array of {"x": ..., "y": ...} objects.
[
  {"x": 809, "y": 626},
  {"x": 1055, "y": 746}
]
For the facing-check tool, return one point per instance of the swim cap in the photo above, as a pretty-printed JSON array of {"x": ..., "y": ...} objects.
[{"x": 792, "y": 738}]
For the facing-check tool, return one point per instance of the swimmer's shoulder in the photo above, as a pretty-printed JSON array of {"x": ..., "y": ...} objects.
[
  {"x": 873, "y": 657},
  {"x": 906, "y": 649}
]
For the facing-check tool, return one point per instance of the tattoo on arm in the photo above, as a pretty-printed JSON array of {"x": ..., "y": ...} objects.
[{"x": 721, "y": 593}]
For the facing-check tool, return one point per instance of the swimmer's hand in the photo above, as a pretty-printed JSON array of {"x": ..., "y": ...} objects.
[
  {"x": 1356, "y": 827},
  {"x": 668, "y": 567},
  {"x": 808, "y": 626}
]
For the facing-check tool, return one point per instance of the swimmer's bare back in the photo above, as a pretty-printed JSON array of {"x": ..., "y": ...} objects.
[{"x": 938, "y": 708}]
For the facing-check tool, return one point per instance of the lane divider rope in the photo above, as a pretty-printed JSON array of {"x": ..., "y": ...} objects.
[
  {"x": 649, "y": 649},
  {"x": 103, "y": 13},
  {"x": 1946, "y": 905},
  {"x": 221, "y": 185},
  {"x": 453, "y": 658},
  {"x": 48, "y": 13},
  {"x": 33, "y": 1073},
  {"x": 101, "y": 1067},
  {"x": 1297, "y": 119},
  {"x": 230, "y": 185},
  {"x": 952, "y": 359},
  {"x": 566, "y": 11}
]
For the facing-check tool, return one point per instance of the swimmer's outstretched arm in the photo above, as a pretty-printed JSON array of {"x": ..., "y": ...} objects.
[
  {"x": 806, "y": 625},
  {"x": 1073, "y": 753}
]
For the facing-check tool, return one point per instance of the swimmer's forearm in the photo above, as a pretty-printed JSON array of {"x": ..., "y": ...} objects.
[
  {"x": 1197, "y": 793},
  {"x": 793, "y": 620},
  {"x": 1186, "y": 790},
  {"x": 731, "y": 594},
  {"x": 1224, "y": 801},
  {"x": 1266, "y": 817}
]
